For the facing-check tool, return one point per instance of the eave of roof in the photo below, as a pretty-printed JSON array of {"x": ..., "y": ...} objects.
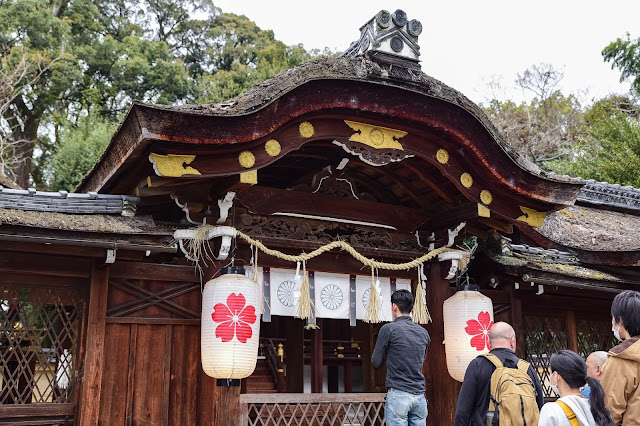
[{"x": 213, "y": 124}]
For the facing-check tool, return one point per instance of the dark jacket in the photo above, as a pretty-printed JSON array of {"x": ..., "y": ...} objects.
[
  {"x": 473, "y": 401},
  {"x": 403, "y": 344}
]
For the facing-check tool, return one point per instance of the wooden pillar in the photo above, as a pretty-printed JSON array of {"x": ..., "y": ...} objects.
[
  {"x": 516, "y": 321},
  {"x": 227, "y": 406},
  {"x": 316, "y": 359},
  {"x": 89, "y": 402},
  {"x": 348, "y": 377},
  {"x": 572, "y": 331},
  {"x": 364, "y": 334},
  {"x": 332, "y": 379},
  {"x": 207, "y": 398},
  {"x": 442, "y": 391},
  {"x": 294, "y": 349}
]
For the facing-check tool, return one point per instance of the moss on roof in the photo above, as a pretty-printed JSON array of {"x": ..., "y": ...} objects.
[
  {"x": 592, "y": 229},
  {"x": 78, "y": 222}
]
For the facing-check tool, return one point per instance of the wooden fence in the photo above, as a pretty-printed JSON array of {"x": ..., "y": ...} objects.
[{"x": 316, "y": 409}]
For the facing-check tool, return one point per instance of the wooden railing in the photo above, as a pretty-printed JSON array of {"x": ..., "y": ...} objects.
[
  {"x": 316, "y": 409},
  {"x": 275, "y": 361}
]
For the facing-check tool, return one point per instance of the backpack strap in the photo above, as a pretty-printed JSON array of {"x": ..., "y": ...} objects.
[
  {"x": 569, "y": 413},
  {"x": 494, "y": 359}
]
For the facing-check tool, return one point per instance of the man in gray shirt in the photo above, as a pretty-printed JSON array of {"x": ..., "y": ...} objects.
[{"x": 403, "y": 344}]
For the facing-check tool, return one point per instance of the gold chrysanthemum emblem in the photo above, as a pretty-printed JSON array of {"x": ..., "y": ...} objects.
[
  {"x": 466, "y": 180},
  {"x": 246, "y": 159},
  {"x": 272, "y": 147},
  {"x": 486, "y": 197},
  {"x": 442, "y": 156},
  {"x": 306, "y": 129}
]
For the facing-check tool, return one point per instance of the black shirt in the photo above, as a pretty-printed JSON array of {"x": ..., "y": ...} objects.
[
  {"x": 473, "y": 401},
  {"x": 404, "y": 345}
]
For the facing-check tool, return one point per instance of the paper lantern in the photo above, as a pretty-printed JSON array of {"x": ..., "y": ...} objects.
[
  {"x": 230, "y": 329},
  {"x": 468, "y": 316}
]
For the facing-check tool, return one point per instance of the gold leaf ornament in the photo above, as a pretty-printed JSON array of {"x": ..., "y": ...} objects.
[
  {"x": 486, "y": 197},
  {"x": 272, "y": 147},
  {"x": 246, "y": 159},
  {"x": 377, "y": 137},
  {"x": 442, "y": 156},
  {"x": 466, "y": 180},
  {"x": 172, "y": 165},
  {"x": 306, "y": 129}
]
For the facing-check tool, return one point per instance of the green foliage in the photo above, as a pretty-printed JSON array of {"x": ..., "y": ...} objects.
[
  {"x": 624, "y": 54},
  {"x": 79, "y": 148},
  {"x": 543, "y": 129},
  {"x": 610, "y": 149},
  {"x": 100, "y": 55}
]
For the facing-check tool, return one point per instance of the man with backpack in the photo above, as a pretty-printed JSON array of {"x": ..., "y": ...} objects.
[{"x": 501, "y": 383}]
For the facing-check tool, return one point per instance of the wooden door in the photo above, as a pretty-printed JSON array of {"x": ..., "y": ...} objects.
[{"x": 152, "y": 372}]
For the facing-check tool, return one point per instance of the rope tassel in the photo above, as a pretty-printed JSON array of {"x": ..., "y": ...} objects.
[
  {"x": 420, "y": 313},
  {"x": 305, "y": 304},
  {"x": 371, "y": 312}
]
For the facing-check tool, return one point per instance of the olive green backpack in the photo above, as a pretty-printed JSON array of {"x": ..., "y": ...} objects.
[{"x": 512, "y": 395}]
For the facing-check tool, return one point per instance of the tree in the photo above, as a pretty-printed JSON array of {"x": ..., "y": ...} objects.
[
  {"x": 17, "y": 71},
  {"x": 624, "y": 54},
  {"x": 80, "y": 147},
  {"x": 610, "y": 150},
  {"x": 97, "y": 56},
  {"x": 544, "y": 128}
]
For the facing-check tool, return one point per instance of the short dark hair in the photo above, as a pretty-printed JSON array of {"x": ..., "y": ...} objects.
[
  {"x": 626, "y": 307},
  {"x": 404, "y": 300}
]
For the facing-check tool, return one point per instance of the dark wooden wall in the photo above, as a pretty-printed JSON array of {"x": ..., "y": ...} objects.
[{"x": 144, "y": 328}]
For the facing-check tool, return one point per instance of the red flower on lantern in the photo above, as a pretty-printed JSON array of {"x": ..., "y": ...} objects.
[
  {"x": 235, "y": 318},
  {"x": 479, "y": 329}
]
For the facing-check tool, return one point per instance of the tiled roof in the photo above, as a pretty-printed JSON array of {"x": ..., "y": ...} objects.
[{"x": 63, "y": 202}]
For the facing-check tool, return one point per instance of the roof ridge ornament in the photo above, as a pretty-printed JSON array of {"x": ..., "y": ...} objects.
[{"x": 388, "y": 38}]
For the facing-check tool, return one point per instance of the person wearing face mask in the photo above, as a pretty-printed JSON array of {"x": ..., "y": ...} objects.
[
  {"x": 621, "y": 372},
  {"x": 568, "y": 374}
]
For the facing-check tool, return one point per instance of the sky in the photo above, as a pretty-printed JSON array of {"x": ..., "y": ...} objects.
[{"x": 467, "y": 44}]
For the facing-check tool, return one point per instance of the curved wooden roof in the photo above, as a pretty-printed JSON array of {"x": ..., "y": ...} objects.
[{"x": 343, "y": 101}]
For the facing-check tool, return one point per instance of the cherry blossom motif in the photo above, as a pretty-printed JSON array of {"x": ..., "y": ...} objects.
[
  {"x": 479, "y": 329},
  {"x": 235, "y": 318}
]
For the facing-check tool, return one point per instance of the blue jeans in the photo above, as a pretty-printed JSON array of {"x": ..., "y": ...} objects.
[{"x": 405, "y": 409}]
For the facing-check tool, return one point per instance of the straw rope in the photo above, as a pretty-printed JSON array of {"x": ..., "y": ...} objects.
[
  {"x": 305, "y": 307},
  {"x": 303, "y": 257}
]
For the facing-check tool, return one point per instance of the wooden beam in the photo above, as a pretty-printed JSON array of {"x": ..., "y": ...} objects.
[
  {"x": 25, "y": 414},
  {"x": 332, "y": 378},
  {"x": 381, "y": 170},
  {"x": 348, "y": 376},
  {"x": 516, "y": 320},
  {"x": 452, "y": 217},
  {"x": 572, "y": 330},
  {"x": 227, "y": 406},
  {"x": 91, "y": 384},
  {"x": 294, "y": 351},
  {"x": 150, "y": 271},
  {"x": 316, "y": 359},
  {"x": 433, "y": 186},
  {"x": 266, "y": 201},
  {"x": 43, "y": 264},
  {"x": 442, "y": 390}
]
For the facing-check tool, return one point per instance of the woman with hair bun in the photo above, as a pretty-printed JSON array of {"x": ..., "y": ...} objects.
[{"x": 568, "y": 375}]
